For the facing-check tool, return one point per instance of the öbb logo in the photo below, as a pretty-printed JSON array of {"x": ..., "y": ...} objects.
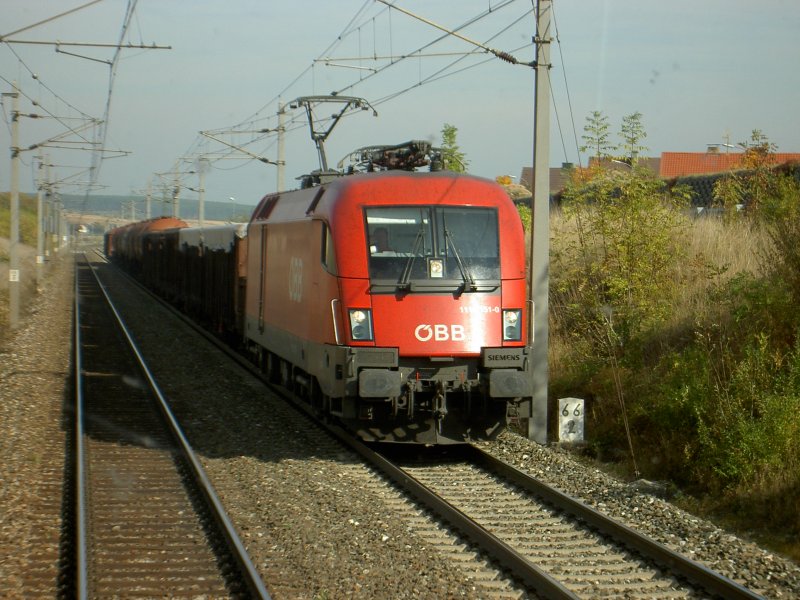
[{"x": 439, "y": 333}]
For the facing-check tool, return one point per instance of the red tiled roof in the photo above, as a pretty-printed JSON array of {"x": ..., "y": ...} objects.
[
  {"x": 668, "y": 166},
  {"x": 677, "y": 164}
]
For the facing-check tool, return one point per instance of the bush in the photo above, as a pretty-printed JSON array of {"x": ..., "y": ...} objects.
[
  {"x": 614, "y": 279},
  {"x": 684, "y": 337},
  {"x": 750, "y": 425},
  {"x": 780, "y": 215}
]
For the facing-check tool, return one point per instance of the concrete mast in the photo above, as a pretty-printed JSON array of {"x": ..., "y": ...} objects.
[{"x": 539, "y": 273}]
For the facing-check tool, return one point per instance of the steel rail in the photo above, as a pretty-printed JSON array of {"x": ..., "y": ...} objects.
[
  {"x": 506, "y": 556},
  {"x": 248, "y": 570},
  {"x": 81, "y": 572}
]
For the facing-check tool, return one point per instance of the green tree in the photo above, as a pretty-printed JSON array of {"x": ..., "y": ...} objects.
[
  {"x": 754, "y": 179},
  {"x": 596, "y": 135},
  {"x": 632, "y": 133},
  {"x": 454, "y": 159},
  {"x": 624, "y": 256}
]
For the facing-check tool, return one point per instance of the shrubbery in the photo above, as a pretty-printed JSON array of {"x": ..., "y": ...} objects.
[{"x": 690, "y": 363}]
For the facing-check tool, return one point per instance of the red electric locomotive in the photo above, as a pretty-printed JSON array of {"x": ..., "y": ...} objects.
[{"x": 394, "y": 301}]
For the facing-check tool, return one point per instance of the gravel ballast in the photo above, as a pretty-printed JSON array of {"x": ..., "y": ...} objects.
[{"x": 34, "y": 384}]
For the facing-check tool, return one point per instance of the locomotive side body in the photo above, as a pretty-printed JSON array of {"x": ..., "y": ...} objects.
[
  {"x": 290, "y": 287},
  {"x": 394, "y": 302}
]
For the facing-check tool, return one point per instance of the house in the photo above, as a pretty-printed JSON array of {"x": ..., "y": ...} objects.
[
  {"x": 559, "y": 176},
  {"x": 684, "y": 164},
  {"x": 698, "y": 170}
]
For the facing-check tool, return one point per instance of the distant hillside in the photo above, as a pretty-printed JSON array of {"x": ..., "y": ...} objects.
[
  {"x": 27, "y": 218},
  {"x": 133, "y": 207}
]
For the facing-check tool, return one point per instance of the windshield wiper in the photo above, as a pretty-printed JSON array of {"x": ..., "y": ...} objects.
[
  {"x": 403, "y": 283},
  {"x": 466, "y": 274}
]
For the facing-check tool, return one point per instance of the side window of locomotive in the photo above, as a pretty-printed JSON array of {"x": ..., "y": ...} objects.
[{"x": 328, "y": 256}]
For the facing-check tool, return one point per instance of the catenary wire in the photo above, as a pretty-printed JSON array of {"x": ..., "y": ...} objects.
[
  {"x": 566, "y": 87},
  {"x": 436, "y": 76}
]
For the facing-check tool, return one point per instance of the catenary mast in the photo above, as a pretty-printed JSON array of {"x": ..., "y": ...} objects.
[{"x": 538, "y": 274}]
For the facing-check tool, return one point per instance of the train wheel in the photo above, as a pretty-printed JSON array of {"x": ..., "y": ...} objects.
[{"x": 324, "y": 407}]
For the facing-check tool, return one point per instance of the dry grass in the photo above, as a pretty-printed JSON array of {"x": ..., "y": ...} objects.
[
  {"x": 716, "y": 251},
  {"x": 735, "y": 244}
]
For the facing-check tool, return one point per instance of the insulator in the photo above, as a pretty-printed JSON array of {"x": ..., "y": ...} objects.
[{"x": 505, "y": 56}]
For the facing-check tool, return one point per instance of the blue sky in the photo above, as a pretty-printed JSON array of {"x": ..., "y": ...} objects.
[{"x": 699, "y": 72}]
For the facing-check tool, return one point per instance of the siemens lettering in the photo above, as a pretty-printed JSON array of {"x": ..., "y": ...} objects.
[
  {"x": 503, "y": 357},
  {"x": 439, "y": 333}
]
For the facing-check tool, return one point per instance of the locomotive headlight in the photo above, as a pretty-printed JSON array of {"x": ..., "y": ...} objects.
[
  {"x": 360, "y": 324},
  {"x": 512, "y": 325}
]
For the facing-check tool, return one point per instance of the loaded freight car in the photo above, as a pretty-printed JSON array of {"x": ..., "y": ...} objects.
[
  {"x": 125, "y": 244},
  {"x": 201, "y": 270},
  {"x": 210, "y": 275}
]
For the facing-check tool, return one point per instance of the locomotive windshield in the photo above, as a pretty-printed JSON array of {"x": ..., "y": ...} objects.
[{"x": 433, "y": 248}]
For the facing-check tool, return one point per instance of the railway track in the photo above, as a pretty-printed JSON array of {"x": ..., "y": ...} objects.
[
  {"x": 554, "y": 545},
  {"x": 147, "y": 521}
]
